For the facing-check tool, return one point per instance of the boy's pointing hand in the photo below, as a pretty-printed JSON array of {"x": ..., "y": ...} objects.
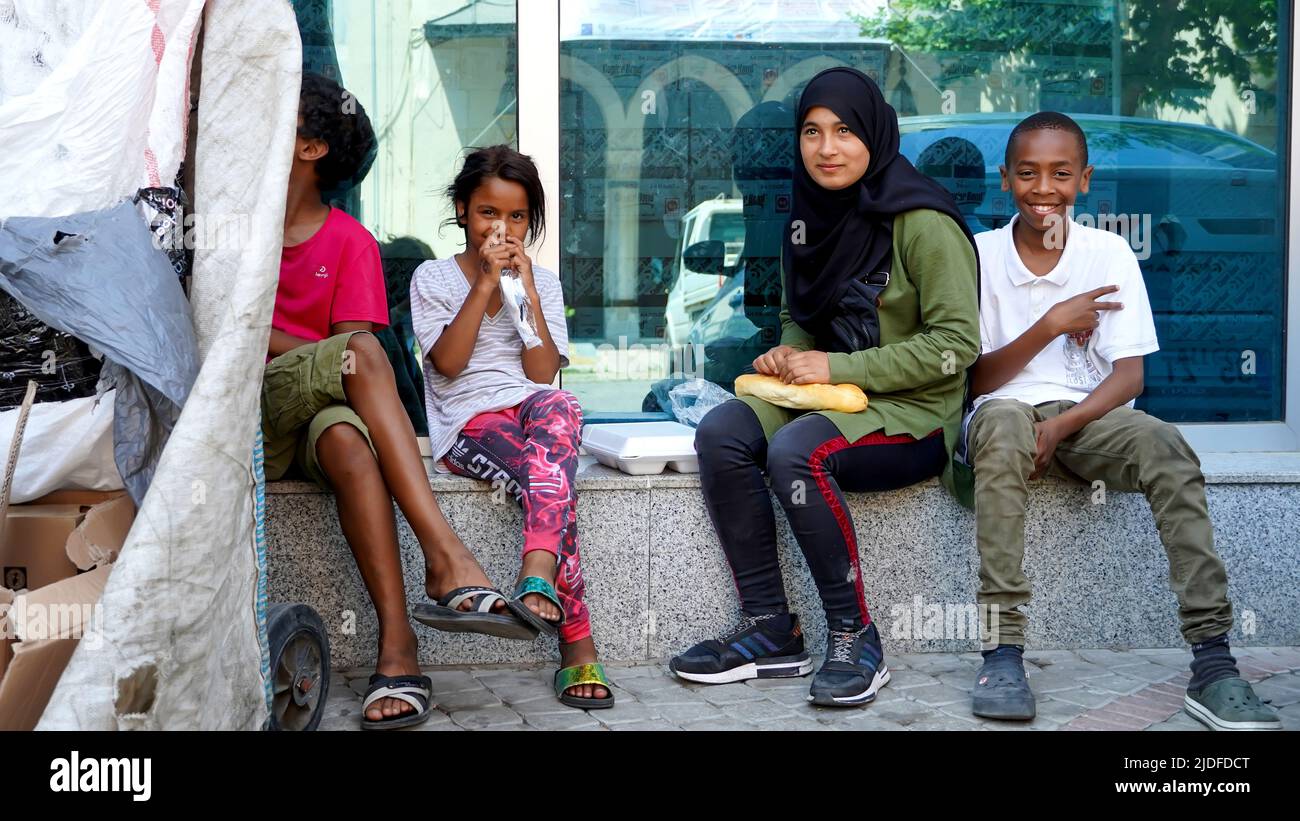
[{"x": 1081, "y": 313}]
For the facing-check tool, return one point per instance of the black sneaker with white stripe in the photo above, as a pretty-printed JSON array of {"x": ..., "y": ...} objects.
[
  {"x": 854, "y": 669},
  {"x": 756, "y": 648}
]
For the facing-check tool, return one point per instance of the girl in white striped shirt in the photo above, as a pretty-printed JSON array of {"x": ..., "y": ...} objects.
[{"x": 492, "y": 413}]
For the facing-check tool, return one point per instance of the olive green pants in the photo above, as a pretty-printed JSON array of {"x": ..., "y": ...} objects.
[
  {"x": 1128, "y": 451},
  {"x": 302, "y": 396}
]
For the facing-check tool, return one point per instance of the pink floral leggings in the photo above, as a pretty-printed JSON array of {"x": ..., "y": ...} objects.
[{"x": 532, "y": 449}]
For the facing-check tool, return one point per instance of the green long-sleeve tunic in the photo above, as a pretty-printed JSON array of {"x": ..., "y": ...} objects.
[{"x": 915, "y": 380}]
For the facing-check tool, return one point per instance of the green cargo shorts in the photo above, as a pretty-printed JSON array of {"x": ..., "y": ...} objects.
[{"x": 302, "y": 396}]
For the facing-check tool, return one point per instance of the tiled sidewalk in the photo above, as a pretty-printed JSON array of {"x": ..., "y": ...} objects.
[{"x": 1077, "y": 690}]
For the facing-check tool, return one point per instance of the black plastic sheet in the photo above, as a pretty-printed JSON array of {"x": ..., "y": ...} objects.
[{"x": 61, "y": 364}]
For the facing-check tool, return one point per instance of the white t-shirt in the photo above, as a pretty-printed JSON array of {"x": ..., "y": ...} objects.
[
  {"x": 1013, "y": 298},
  {"x": 493, "y": 378}
]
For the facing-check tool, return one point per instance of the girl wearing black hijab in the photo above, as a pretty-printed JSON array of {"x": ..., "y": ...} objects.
[{"x": 880, "y": 289}]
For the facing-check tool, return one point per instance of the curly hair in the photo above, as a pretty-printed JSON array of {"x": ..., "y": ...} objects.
[
  {"x": 505, "y": 163},
  {"x": 333, "y": 115}
]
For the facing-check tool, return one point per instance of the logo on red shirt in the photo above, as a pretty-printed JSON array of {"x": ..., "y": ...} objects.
[{"x": 322, "y": 273}]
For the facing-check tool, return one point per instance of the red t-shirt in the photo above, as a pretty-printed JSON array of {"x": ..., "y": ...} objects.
[{"x": 336, "y": 276}]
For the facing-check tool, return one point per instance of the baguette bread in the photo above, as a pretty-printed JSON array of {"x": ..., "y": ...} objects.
[{"x": 847, "y": 398}]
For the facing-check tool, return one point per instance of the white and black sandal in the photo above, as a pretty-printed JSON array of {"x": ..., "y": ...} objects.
[
  {"x": 445, "y": 614},
  {"x": 416, "y": 691}
]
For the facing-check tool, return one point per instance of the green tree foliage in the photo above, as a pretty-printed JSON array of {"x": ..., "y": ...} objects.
[{"x": 1171, "y": 52}]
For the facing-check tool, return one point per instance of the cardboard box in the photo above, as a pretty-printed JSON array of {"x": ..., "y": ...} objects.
[
  {"x": 49, "y": 603},
  {"x": 33, "y": 552},
  {"x": 33, "y": 674},
  {"x": 48, "y": 624},
  {"x": 77, "y": 497},
  {"x": 45, "y": 543},
  {"x": 100, "y": 537}
]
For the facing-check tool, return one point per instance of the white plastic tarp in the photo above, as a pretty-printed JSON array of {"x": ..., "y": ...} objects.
[
  {"x": 109, "y": 117},
  {"x": 179, "y": 645},
  {"x": 75, "y": 441}
]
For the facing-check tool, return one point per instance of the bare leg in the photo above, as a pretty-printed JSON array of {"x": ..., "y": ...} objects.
[
  {"x": 366, "y": 516},
  {"x": 372, "y": 392}
]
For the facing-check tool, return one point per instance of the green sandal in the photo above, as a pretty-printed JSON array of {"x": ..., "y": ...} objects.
[
  {"x": 540, "y": 586},
  {"x": 593, "y": 673}
]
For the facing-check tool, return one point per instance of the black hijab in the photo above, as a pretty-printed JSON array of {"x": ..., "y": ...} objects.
[{"x": 849, "y": 233}]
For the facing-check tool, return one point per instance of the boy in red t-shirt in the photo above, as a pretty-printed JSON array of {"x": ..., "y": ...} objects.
[{"x": 330, "y": 407}]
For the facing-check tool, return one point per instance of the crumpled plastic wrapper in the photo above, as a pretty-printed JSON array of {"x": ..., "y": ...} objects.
[
  {"x": 692, "y": 400},
  {"x": 516, "y": 300},
  {"x": 164, "y": 211}
]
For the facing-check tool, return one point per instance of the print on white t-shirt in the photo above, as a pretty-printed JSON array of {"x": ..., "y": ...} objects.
[{"x": 1080, "y": 370}]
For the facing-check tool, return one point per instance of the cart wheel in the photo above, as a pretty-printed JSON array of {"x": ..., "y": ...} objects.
[{"x": 300, "y": 667}]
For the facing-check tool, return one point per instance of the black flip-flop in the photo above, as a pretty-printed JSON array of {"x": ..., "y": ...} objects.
[
  {"x": 445, "y": 614},
  {"x": 416, "y": 691}
]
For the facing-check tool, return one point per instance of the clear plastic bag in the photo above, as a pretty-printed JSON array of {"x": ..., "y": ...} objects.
[
  {"x": 693, "y": 399},
  {"x": 520, "y": 307}
]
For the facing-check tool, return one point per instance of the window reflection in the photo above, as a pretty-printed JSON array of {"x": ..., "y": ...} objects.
[{"x": 676, "y": 122}]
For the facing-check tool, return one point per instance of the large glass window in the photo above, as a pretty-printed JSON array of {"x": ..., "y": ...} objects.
[
  {"x": 435, "y": 77},
  {"x": 676, "y": 144}
]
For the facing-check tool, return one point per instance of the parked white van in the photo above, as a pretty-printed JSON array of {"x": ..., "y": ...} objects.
[{"x": 712, "y": 236}]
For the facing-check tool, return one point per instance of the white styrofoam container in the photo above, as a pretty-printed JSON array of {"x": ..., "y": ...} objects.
[{"x": 640, "y": 448}]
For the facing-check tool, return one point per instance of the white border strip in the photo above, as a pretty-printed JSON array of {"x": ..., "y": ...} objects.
[
  {"x": 539, "y": 110},
  {"x": 1291, "y": 326}
]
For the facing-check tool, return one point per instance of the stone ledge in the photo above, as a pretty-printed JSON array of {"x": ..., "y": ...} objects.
[
  {"x": 657, "y": 581},
  {"x": 1219, "y": 468},
  {"x": 1251, "y": 468}
]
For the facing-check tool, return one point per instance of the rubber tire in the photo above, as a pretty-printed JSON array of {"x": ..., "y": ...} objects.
[{"x": 285, "y": 624}]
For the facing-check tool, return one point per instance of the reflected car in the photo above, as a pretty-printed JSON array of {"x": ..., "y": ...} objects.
[
  {"x": 711, "y": 238},
  {"x": 724, "y": 317}
]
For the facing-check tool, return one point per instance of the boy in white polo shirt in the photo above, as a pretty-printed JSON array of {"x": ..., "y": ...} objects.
[{"x": 1064, "y": 324}]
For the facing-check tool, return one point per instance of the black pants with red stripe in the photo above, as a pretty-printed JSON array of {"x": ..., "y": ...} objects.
[{"x": 810, "y": 465}]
